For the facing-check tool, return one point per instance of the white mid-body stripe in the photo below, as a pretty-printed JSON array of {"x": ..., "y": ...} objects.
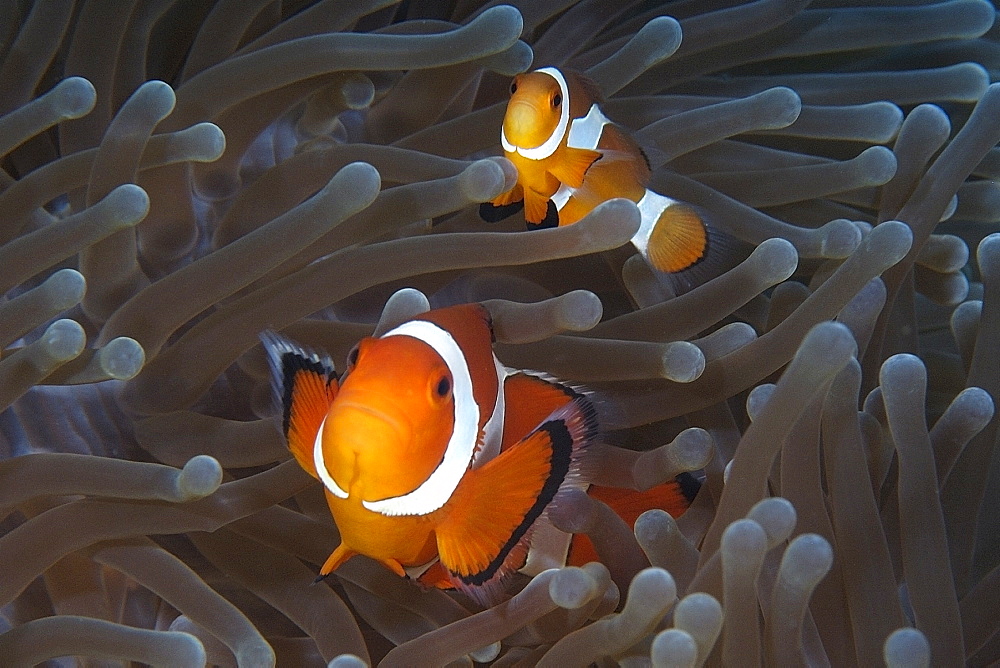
[
  {"x": 586, "y": 132},
  {"x": 651, "y": 207},
  {"x": 434, "y": 492},
  {"x": 320, "y": 462},
  {"x": 562, "y": 196},
  {"x": 493, "y": 429},
  {"x": 583, "y": 133}
]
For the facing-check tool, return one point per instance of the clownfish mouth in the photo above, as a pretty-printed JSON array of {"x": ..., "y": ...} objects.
[
  {"x": 349, "y": 410},
  {"x": 521, "y": 123}
]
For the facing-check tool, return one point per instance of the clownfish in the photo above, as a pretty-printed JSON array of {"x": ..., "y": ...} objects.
[
  {"x": 437, "y": 460},
  {"x": 570, "y": 158}
]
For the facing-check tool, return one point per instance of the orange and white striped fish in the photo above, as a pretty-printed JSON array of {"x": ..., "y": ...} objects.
[
  {"x": 437, "y": 460},
  {"x": 570, "y": 158}
]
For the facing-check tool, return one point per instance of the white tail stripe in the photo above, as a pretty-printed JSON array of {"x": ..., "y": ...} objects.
[
  {"x": 440, "y": 485},
  {"x": 651, "y": 207},
  {"x": 320, "y": 463},
  {"x": 549, "y": 146}
]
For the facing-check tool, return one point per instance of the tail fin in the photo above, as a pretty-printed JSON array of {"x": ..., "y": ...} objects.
[
  {"x": 723, "y": 252},
  {"x": 678, "y": 241},
  {"x": 674, "y": 497},
  {"x": 304, "y": 384}
]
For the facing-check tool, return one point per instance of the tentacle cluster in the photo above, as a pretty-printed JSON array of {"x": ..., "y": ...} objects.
[{"x": 177, "y": 177}]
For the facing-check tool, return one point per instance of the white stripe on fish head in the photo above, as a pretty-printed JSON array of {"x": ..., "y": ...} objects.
[
  {"x": 434, "y": 492},
  {"x": 549, "y": 146}
]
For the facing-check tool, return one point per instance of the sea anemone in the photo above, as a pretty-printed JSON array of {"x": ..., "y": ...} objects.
[{"x": 178, "y": 177}]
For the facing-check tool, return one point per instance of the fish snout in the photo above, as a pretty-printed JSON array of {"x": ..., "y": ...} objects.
[
  {"x": 525, "y": 126},
  {"x": 360, "y": 441}
]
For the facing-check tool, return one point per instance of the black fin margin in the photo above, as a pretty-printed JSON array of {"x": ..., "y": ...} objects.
[
  {"x": 562, "y": 459},
  {"x": 551, "y": 218},
  {"x": 690, "y": 485},
  {"x": 286, "y": 358},
  {"x": 492, "y": 213},
  {"x": 722, "y": 252}
]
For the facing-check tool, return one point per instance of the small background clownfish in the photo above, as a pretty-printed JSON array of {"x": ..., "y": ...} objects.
[
  {"x": 570, "y": 158},
  {"x": 438, "y": 461}
]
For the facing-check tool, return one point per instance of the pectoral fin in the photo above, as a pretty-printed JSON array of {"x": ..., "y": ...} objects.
[
  {"x": 304, "y": 384},
  {"x": 488, "y": 521},
  {"x": 572, "y": 165},
  {"x": 536, "y": 206}
]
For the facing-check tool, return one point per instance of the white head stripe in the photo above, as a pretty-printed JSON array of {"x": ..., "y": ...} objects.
[
  {"x": 320, "y": 463},
  {"x": 439, "y": 486},
  {"x": 507, "y": 146},
  {"x": 586, "y": 132},
  {"x": 552, "y": 143}
]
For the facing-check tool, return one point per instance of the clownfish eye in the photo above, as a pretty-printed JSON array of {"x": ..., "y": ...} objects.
[
  {"x": 513, "y": 87},
  {"x": 556, "y": 100},
  {"x": 443, "y": 387}
]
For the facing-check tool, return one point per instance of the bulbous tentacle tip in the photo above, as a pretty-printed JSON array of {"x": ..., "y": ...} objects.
[
  {"x": 907, "y": 648},
  {"x": 77, "y": 97},
  {"x": 200, "y": 477}
]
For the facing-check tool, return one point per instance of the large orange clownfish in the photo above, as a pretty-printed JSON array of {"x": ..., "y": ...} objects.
[
  {"x": 571, "y": 158},
  {"x": 437, "y": 461}
]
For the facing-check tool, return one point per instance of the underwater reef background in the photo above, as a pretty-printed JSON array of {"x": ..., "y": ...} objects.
[{"x": 178, "y": 176}]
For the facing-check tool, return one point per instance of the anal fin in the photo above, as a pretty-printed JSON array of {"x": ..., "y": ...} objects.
[
  {"x": 436, "y": 576},
  {"x": 551, "y": 218}
]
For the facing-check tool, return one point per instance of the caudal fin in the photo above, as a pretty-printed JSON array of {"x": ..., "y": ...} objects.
[
  {"x": 674, "y": 496},
  {"x": 679, "y": 242},
  {"x": 304, "y": 384}
]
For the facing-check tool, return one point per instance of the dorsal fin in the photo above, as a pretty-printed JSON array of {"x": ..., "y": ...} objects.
[{"x": 583, "y": 92}]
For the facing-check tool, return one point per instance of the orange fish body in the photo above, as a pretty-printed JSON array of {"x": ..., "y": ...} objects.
[
  {"x": 570, "y": 158},
  {"x": 437, "y": 461}
]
